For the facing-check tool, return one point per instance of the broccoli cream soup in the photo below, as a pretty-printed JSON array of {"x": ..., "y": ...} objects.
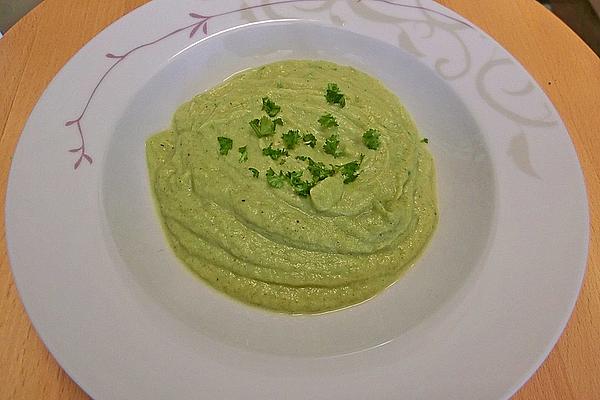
[{"x": 299, "y": 186}]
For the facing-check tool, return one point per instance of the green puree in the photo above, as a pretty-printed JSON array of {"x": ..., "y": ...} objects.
[{"x": 243, "y": 210}]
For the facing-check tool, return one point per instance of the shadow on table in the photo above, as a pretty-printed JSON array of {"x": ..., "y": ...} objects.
[
  {"x": 581, "y": 16},
  {"x": 12, "y": 10}
]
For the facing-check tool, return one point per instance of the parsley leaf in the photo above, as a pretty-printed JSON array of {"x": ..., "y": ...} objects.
[
  {"x": 327, "y": 121},
  {"x": 371, "y": 139},
  {"x": 243, "y": 153},
  {"x": 225, "y": 144},
  {"x": 294, "y": 178},
  {"x": 264, "y": 126},
  {"x": 301, "y": 187},
  {"x": 255, "y": 125},
  {"x": 334, "y": 96},
  {"x": 318, "y": 170},
  {"x": 309, "y": 139},
  {"x": 331, "y": 146},
  {"x": 254, "y": 171},
  {"x": 275, "y": 180},
  {"x": 291, "y": 138},
  {"x": 270, "y": 107},
  {"x": 274, "y": 153},
  {"x": 293, "y": 175},
  {"x": 424, "y": 140},
  {"x": 350, "y": 171}
]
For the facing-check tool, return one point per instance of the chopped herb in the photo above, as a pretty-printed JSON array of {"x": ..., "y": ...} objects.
[
  {"x": 331, "y": 145},
  {"x": 424, "y": 140},
  {"x": 291, "y": 138},
  {"x": 309, "y": 139},
  {"x": 294, "y": 178},
  {"x": 274, "y": 153},
  {"x": 293, "y": 175},
  {"x": 371, "y": 139},
  {"x": 255, "y": 125},
  {"x": 318, "y": 170},
  {"x": 301, "y": 187},
  {"x": 270, "y": 107},
  {"x": 254, "y": 171},
  {"x": 243, "y": 153},
  {"x": 350, "y": 171},
  {"x": 334, "y": 96},
  {"x": 327, "y": 121},
  {"x": 275, "y": 180},
  {"x": 264, "y": 126},
  {"x": 225, "y": 144}
]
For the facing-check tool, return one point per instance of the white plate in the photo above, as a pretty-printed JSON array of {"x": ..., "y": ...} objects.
[{"x": 472, "y": 320}]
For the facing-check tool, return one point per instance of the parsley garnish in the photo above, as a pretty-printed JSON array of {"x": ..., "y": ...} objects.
[
  {"x": 291, "y": 138},
  {"x": 327, "y": 121},
  {"x": 424, "y": 140},
  {"x": 331, "y": 145},
  {"x": 309, "y": 139},
  {"x": 274, "y": 153},
  {"x": 243, "y": 153},
  {"x": 334, "y": 96},
  {"x": 264, "y": 126},
  {"x": 225, "y": 144},
  {"x": 294, "y": 178},
  {"x": 270, "y": 107},
  {"x": 350, "y": 170},
  {"x": 318, "y": 170},
  {"x": 301, "y": 187},
  {"x": 371, "y": 139},
  {"x": 275, "y": 180},
  {"x": 254, "y": 171}
]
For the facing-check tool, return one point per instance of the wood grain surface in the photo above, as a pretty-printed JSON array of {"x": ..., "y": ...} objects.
[{"x": 34, "y": 50}]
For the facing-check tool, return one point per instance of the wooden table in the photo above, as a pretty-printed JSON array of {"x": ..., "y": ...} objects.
[{"x": 35, "y": 49}]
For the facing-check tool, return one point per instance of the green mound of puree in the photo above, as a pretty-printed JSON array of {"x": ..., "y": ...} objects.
[{"x": 299, "y": 186}]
